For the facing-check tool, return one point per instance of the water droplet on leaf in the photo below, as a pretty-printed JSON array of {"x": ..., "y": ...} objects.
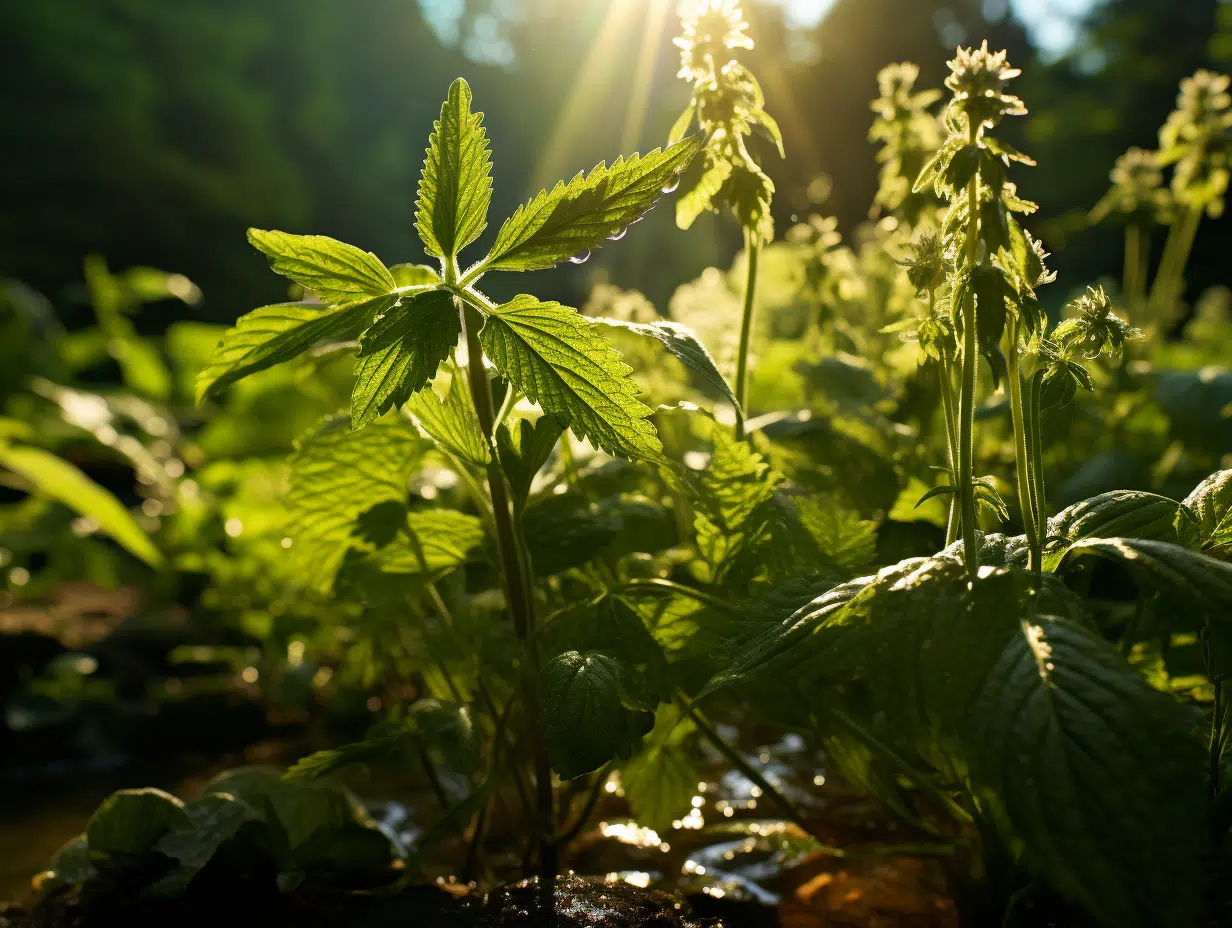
[{"x": 580, "y": 257}]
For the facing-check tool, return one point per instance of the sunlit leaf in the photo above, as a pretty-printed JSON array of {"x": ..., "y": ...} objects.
[
  {"x": 1211, "y": 505},
  {"x": 335, "y": 476},
  {"x": 660, "y": 782},
  {"x": 57, "y": 478},
  {"x": 452, "y": 422},
  {"x": 1169, "y": 567},
  {"x": 556, "y": 357},
  {"x": 433, "y": 542},
  {"x": 455, "y": 187},
  {"x": 132, "y": 821},
  {"x": 335, "y": 271},
  {"x": 401, "y": 351},
  {"x": 684, "y": 344},
  {"x": 524, "y": 449},
  {"x": 573, "y": 218},
  {"x": 274, "y": 334}
]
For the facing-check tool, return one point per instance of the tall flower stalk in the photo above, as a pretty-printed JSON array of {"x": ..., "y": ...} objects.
[
  {"x": 728, "y": 105},
  {"x": 1139, "y": 199},
  {"x": 993, "y": 266}
]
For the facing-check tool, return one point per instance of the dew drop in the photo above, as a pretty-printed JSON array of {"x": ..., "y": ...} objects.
[
  {"x": 617, "y": 236},
  {"x": 671, "y": 185},
  {"x": 580, "y": 257}
]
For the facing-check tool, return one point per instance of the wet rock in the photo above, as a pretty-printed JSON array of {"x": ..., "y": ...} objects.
[{"x": 591, "y": 903}]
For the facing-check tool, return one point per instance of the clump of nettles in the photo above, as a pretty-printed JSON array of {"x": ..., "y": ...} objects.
[
  {"x": 993, "y": 264},
  {"x": 1137, "y": 194},
  {"x": 728, "y": 104},
  {"x": 1196, "y": 138},
  {"x": 909, "y": 135}
]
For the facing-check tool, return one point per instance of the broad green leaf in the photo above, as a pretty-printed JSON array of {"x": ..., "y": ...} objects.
[
  {"x": 455, "y": 187},
  {"x": 733, "y": 505},
  {"x": 132, "y": 821},
  {"x": 60, "y": 480},
  {"x": 659, "y": 782},
  {"x": 415, "y": 275},
  {"x": 685, "y": 345},
  {"x": 215, "y": 818},
  {"x": 71, "y": 865},
  {"x": 838, "y": 539},
  {"x": 574, "y": 218},
  {"x": 452, "y": 423},
  {"x": 333, "y": 270},
  {"x": 699, "y": 198},
  {"x": 524, "y": 449},
  {"x": 1092, "y": 773},
  {"x": 1118, "y": 513},
  {"x": 1170, "y": 567},
  {"x": 401, "y": 351},
  {"x": 585, "y": 718},
  {"x": 553, "y": 354},
  {"x": 1211, "y": 505},
  {"x": 274, "y": 334},
  {"x": 567, "y": 530},
  {"x": 434, "y": 542},
  {"x": 336, "y": 475}
]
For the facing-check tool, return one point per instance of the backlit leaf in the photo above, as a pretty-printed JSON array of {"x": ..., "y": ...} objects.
[
  {"x": 132, "y": 821},
  {"x": 452, "y": 422},
  {"x": 455, "y": 187},
  {"x": 57, "y": 478},
  {"x": 659, "y": 783},
  {"x": 274, "y": 334},
  {"x": 336, "y": 475},
  {"x": 573, "y": 218},
  {"x": 401, "y": 351},
  {"x": 685, "y": 345},
  {"x": 553, "y": 354},
  {"x": 333, "y": 270},
  {"x": 1211, "y": 504},
  {"x": 433, "y": 542},
  {"x": 524, "y": 449},
  {"x": 1169, "y": 567}
]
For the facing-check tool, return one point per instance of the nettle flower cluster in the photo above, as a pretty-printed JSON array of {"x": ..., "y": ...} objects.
[
  {"x": 1197, "y": 138},
  {"x": 728, "y": 105},
  {"x": 1090, "y": 330},
  {"x": 993, "y": 264},
  {"x": 909, "y": 135},
  {"x": 1137, "y": 194}
]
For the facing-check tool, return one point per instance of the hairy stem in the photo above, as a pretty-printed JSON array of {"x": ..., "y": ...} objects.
[
  {"x": 752, "y": 248},
  {"x": 521, "y": 608},
  {"x": 951, "y": 440},
  {"x": 966, "y": 411},
  {"x": 1022, "y": 469},
  {"x": 1036, "y": 466}
]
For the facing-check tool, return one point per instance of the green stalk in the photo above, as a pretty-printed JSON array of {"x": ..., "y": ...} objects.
[
  {"x": 966, "y": 411},
  {"x": 1216, "y": 740},
  {"x": 951, "y": 440},
  {"x": 521, "y": 609},
  {"x": 1021, "y": 467},
  {"x": 1134, "y": 280},
  {"x": 1036, "y": 468},
  {"x": 1170, "y": 278},
  {"x": 752, "y": 248}
]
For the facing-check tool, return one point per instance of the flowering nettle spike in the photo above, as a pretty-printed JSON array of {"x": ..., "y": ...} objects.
[
  {"x": 1137, "y": 190},
  {"x": 1093, "y": 329},
  {"x": 978, "y": 79},
  {"x": 709, "y": 29},
  {"x": 1197, "y": 138}
]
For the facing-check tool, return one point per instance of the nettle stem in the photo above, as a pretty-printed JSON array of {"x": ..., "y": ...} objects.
[
  {"x": 518, "y": 592},
  {"x": 1133, "y": 283},
  {"x": 1036, "y": 469},
  {"x": 946, "y": 375},
  {"x": 1170, "y": 278},
  {"x": 966, "y": 411},
  {"x": 1022, "y": 467},
  {"x": 752, "y": 249}
]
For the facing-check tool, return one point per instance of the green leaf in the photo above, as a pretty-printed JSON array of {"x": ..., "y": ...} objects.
[
  {"x": 434, "y": 542},
  {"x": 1188, "y": 574},
  {"x": 452, "y": 423},
  {"x": 132, "y": 821},
  {"x": 274, "y": 334},
  {"x": 415, "y": 275},
  {"x": 523, "y": 450},
  {"x": 684, "y": 344},
  {"x": 1211, "y": 505},
  {"x": 1123, "y": 513},
  {"x": 215, "y": 819},
  {"x": 1092, "y": 773},
  {"x": 700, "y": 197},
  {"x": 401, "y": 351},
  {"x": 579, "y": 216},
  {"x": 660, "y": 782},
  {"x": 336, "y": 476},
  {"x": 553, "y": 354},
  {"x": 60, "y": 480},
  {"x": 839, "y": 539},
  {"x": 585, "y": 718},
  {"x": 455, "y": 187},
  {"x": 682, "y": 123},
  {"x": 333, "y": 270}
]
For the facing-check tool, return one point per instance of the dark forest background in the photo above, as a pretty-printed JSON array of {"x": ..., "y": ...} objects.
[{"x": 155, "y": 131}]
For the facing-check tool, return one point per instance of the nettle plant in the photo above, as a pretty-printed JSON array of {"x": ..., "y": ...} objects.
[
  {"x": 350, "y": 529},
  {"x": 982, "y": 692}
]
